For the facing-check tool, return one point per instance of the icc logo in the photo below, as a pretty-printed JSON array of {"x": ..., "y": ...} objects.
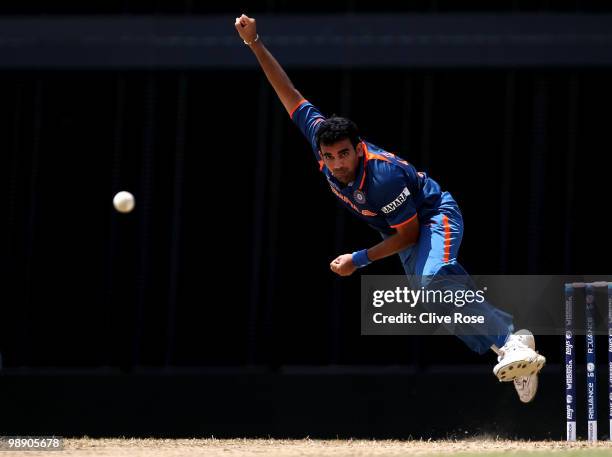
[
  {"x": 568, "y": 335},
  {"x": 590, "y": 367},
  {"x": 569, "y": 399}
]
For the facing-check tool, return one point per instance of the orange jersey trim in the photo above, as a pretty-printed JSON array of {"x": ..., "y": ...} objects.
[
  {"x": 447, "y": 238},
  {"x": 403, "y": 223},
  {"x": 365, "y": 163},
  {"x": 296, "y": 107},
  {"x": 345, "y": 199},
  {"x": 373, "y": 156},
  {"x": 367, "y": 155}
]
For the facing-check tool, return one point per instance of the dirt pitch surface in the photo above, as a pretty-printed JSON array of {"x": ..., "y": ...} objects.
[{"x": 307, "y": 447}]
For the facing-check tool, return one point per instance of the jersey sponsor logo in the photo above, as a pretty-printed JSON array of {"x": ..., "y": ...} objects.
[{"x": 401, "y": 198}]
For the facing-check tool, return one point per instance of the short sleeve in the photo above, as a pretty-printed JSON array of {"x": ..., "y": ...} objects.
[
  {"x": 397, "y": 205},
  {"x": 307, "y": 117}
]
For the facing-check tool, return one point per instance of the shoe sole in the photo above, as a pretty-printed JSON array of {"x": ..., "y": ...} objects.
[
  {"x": 520, "y": 368},
  {"x": 534, "y": 391}
]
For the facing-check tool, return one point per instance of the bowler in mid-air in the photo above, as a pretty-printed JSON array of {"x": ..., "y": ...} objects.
[{"x": 415, "y": 218}]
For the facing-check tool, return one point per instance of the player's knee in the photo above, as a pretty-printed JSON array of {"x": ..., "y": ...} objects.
[{"x": 428, "y": 274}]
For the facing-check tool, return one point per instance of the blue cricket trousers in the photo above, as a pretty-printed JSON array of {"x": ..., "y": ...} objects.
[{"x": 435, "y": 256}]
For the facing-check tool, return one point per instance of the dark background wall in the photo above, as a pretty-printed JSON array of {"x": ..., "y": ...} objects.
[
  {"x": 224, "y": 262},
  {"x": 276, "y": 6},
  {"x": 225, "y": 259}
]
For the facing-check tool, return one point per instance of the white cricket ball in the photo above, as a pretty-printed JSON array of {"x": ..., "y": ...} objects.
[{"x": 124, "y": 202}]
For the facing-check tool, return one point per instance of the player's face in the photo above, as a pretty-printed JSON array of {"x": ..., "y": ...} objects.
[{"x": 342, "y": 159}]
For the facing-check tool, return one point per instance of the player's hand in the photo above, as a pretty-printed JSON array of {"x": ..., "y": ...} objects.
[
  {"x": 343, "y": 265},
  {"x": 246, "y": 28}
]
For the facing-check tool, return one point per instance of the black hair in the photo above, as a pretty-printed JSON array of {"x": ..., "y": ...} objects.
[{"x": 335, "y": 129}]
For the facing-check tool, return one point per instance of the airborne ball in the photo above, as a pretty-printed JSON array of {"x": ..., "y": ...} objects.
[{"x": 124, "y": 202}]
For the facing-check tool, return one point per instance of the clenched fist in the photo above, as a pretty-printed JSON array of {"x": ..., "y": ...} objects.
[
  {"x": 343, "y": 265},
  {"x": 246, "y": 28}
]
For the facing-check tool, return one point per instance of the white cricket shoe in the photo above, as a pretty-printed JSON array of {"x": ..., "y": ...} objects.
[{"x": 518, "y": 358}]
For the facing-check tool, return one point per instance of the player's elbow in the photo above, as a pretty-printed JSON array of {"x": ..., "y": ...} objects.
[{"x": 409, "y": 233}]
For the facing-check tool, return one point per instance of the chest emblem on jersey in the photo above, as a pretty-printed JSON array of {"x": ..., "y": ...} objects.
[
  {"x": 359, "y": 197},
  {"x": 352, "y": 205}
]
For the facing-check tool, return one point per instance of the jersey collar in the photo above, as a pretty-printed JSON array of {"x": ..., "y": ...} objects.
[{"x": 363, "y": 164}]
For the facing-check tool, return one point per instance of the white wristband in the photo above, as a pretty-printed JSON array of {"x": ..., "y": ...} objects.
[{"x": 251, "y": 42}]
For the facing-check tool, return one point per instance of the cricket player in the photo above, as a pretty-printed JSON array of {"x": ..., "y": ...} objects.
[{"x": 415, "y": 218}]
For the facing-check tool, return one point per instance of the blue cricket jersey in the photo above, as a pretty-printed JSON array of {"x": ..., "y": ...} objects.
[{"x": 387, "y": 192}]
